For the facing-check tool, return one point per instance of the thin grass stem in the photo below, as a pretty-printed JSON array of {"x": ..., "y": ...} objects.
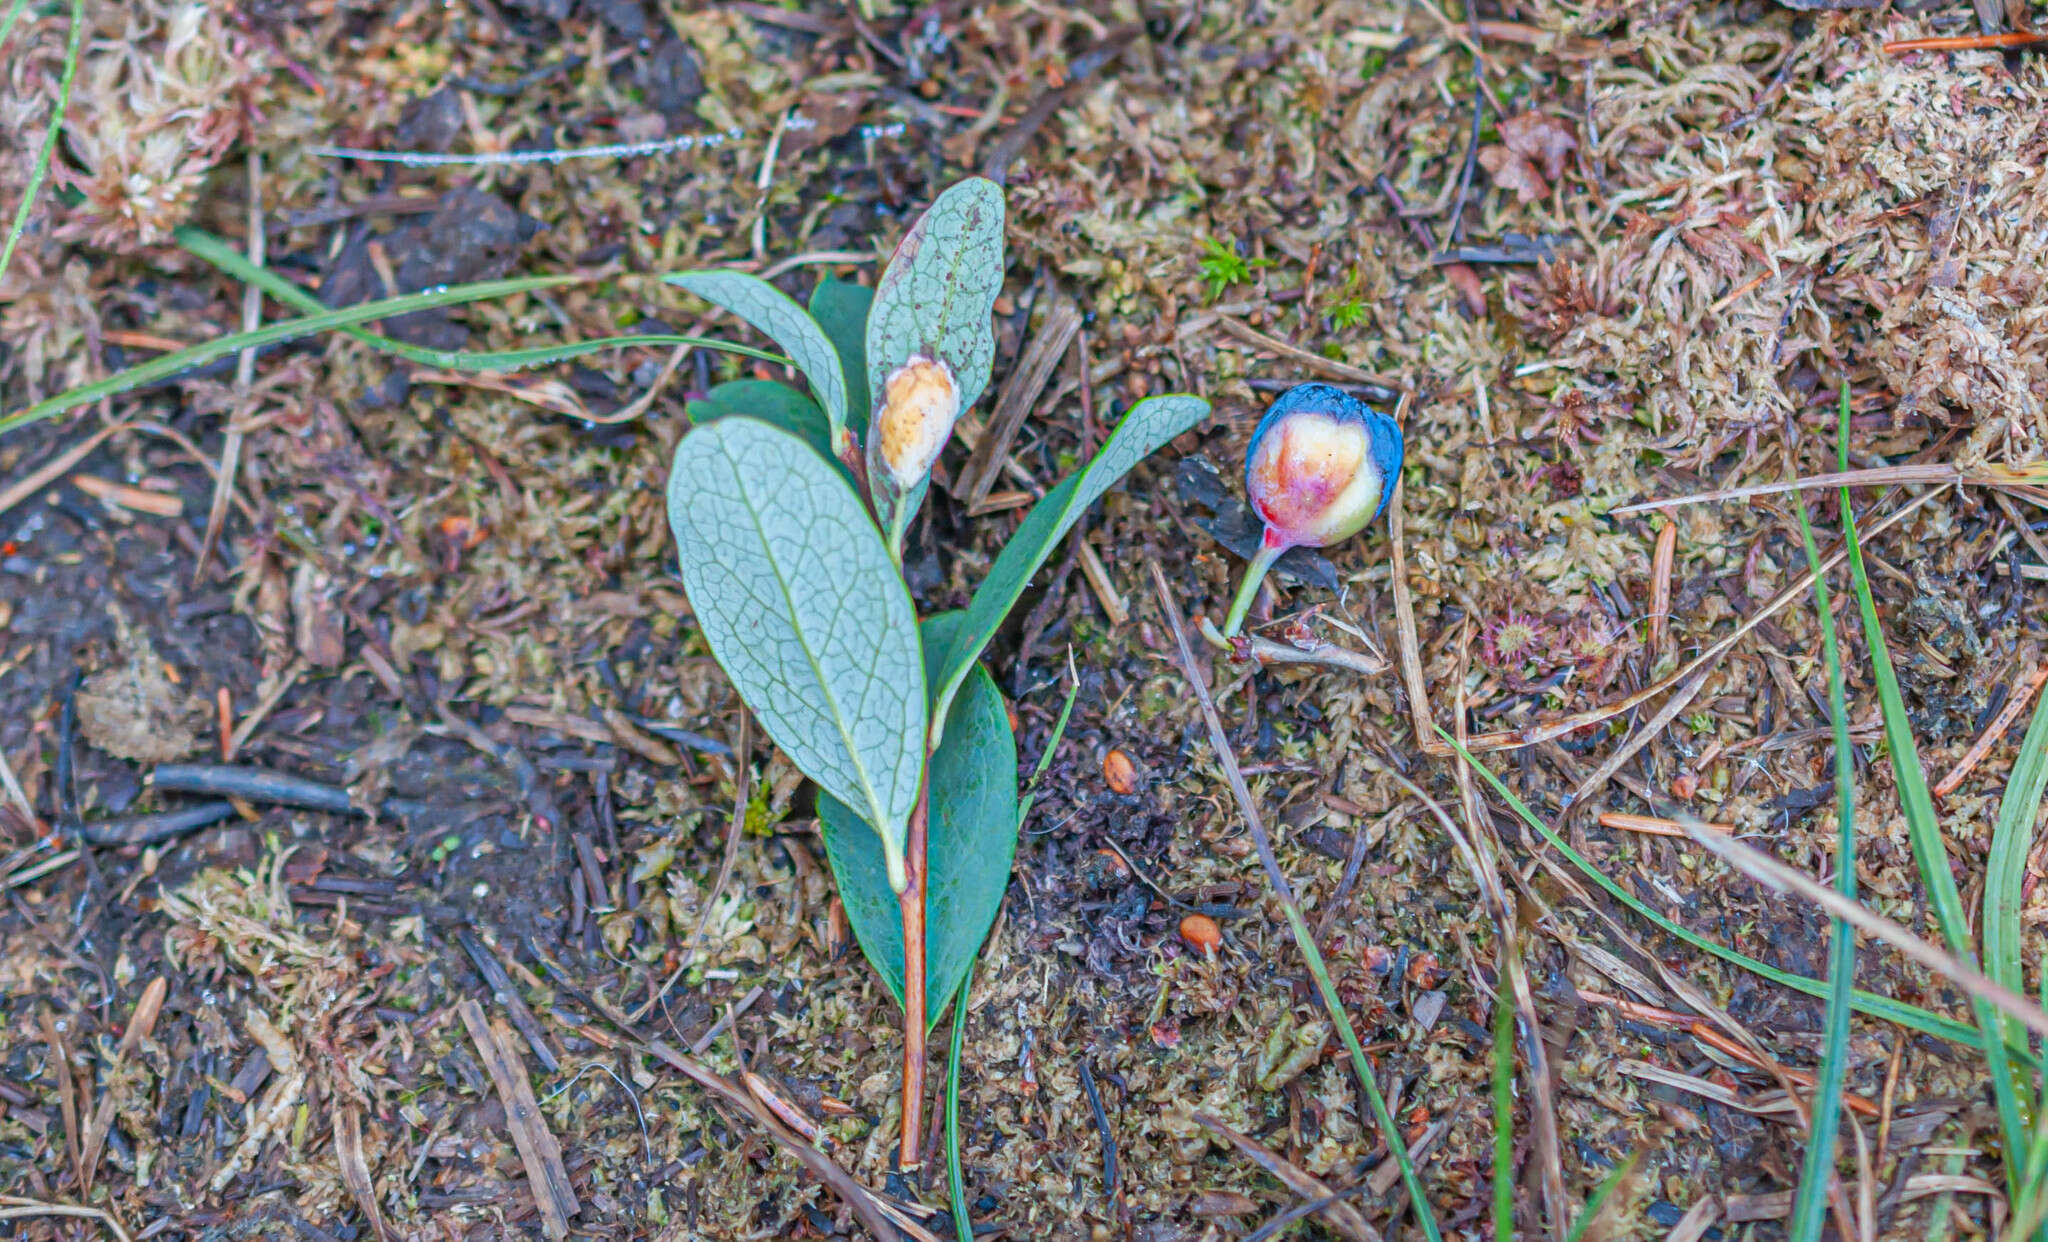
[
  {"x": 1868, "y": 1003},
  {"x": 1817, "y": 1169},
  {"x": 49, "y": 148}
]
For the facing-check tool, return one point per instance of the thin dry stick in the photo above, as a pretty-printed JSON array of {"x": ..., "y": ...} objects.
[
  {"x": 1219, "y": 740},
  {"x": 16, "y": 794},
  {"x": 1651, "y": 825},
  {"x": 1341, "y": 1216},
  {"x": 1680, "y": 699},
  {"x": 742, "y": 794},
  {"x": 823, "y": 1167},
  {"x": 1660, "y": 588},
  {"x": 1404, "y": 630},
  {"x": 1314, "y": 362},
  {"x": 1767, "y": 870},
  {"x": 67, "y": 1092},
  {"x": 1544, "y": 731},
  {"x": 553, "y": 1193},
  {"x": 141, "y": 1023},
  {"x": 1982, "y": 746},
  {"x": 1892, "y": 476},
  {"x": 1013, "y": 405},
  {"x": 245, "y": 375},
  {"x": 56, "y": 466},
  {"x": 13, "y": 1207}
]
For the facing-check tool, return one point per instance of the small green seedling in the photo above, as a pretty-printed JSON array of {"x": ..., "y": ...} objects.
[{"x": 789, "y": 511}]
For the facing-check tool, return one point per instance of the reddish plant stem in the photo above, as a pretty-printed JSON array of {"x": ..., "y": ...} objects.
[
  {"x": 1965, "y": 43},
  {"x": 912, "y": 900}
]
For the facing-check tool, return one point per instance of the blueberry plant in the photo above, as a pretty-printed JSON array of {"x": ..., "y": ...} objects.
[{"x": 789, "y": 511}]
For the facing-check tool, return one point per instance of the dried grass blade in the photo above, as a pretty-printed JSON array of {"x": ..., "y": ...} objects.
[
  {"x": 1220, "y": 740},
  {"x": 1769, "y": 871},
  {"x": 1342, "y": 1217},
  {"x": 1877, "y": 476},
  {"x": 1884, "y": 1007},
  {"x": 863, "y": 1201}
]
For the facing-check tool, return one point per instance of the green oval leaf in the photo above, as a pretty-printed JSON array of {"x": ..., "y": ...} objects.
[
  {"x": 795, "y": 593},
  {"x": 781, "y": 320},
  {"x": 773, "y": 403},
  {"x": 1149, "y": 425},
  {"x": 972, "y": 839},
  {"x": 841, "y": 309},
  {"x": 940, "y": 287}
]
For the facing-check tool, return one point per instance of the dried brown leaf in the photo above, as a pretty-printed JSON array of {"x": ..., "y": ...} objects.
[
  {"x": 1541, "y": 139},
  {"x": 1512, "y": 172}
]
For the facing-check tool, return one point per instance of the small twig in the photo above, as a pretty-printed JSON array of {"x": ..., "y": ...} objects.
[
  {"x": 520, "y": 85},
  {"x": 67, "y": 1091},
  {"x": 1312, "y": 361},
  {"x": 506, "y": 993},
  {"x": 1893, "y": 476},
  {"x": 2014, "y": 705},
  {"x": 1966, "y": 43},
  {"x": 250, "y": 784},
  {"x": 53, "y": 469},
  {"x": 1340, "y": 1215},
  {"x": 355, "y": 1167},
  {"x": 1660, "y": 588},
  {"x": 141, "y": 1023},
  {"x": 246, "y": 728},
  {"x": 1111, "y": 1183},
  {"x": 1034, "y": 369},
  {"x": 1106, "y": 594},
  {"x": 856, "y": 1196},
  {"x": 1651, "y": 825},
  {"x": 1250, "y": 648},
  {"x": 1471, "y": 145},
  {"x": 16, "y": 794},
  {"x": 1083, "y": 67},
  {"x": 538, "y": 1151}
]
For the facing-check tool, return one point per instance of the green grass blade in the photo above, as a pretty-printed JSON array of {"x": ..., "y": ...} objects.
[
  {"x": 7, "y": 23},
  {"x": 2012, "y": 838},
  {"x": 1503, "y": 1116},
  {"x": 955, "y": 1183},
  {"x": 270, "y": 334},
  {"x": 1869, "y": 1003},
  {"x": 1818, "y": 1167},
  {"x": 42, "y": 166},
  {"x": 204, "y": 245},
  {"x": 1608, "y": 1185},
  {"x": 1930, "y": 849}
]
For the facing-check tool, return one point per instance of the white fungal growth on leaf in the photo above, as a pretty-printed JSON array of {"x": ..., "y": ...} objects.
[{"x": 919, "y": 406}]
